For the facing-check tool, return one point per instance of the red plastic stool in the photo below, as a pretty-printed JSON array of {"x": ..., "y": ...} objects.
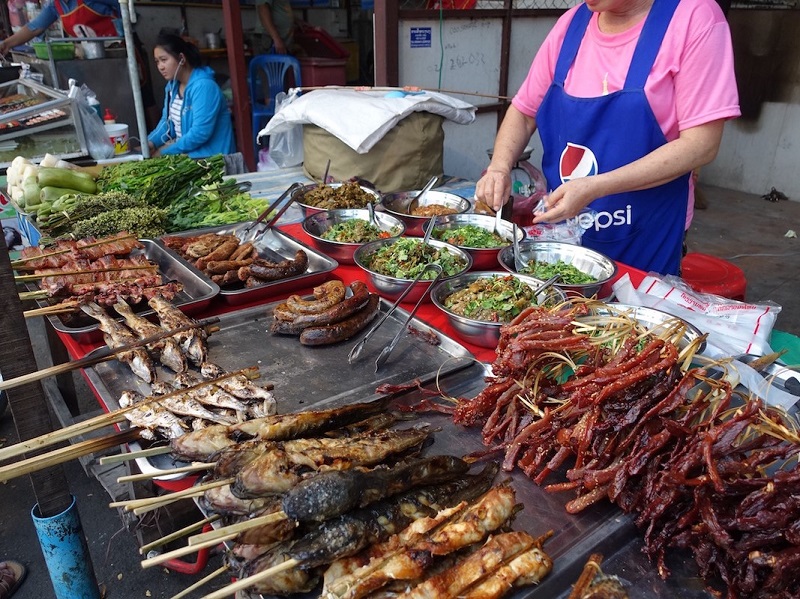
[{"x": 709, "y": 274}]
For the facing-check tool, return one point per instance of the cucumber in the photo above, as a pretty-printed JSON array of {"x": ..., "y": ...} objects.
[
  {"x": 61, "y": 177},
  {"x": 51, "y": 194}
]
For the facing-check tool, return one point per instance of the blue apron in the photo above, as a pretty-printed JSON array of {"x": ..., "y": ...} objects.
[{"x": 587, "y": 136}]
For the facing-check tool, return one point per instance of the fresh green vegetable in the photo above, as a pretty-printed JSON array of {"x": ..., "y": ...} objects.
[
  {"x": 78, "y": 207},
  {"x": 144, "y": 222},
  {"x": 406, "y": 257},
  {"x": 354, "y": 231},
  {"x": 470, "y": 236},
  {"x": 162, "y": 180},
  {"x": 51, "y": 194},
  {"x": 62, "y": 177},
  {"x": 31, "y": 191},
  {"x": 217, "y": 204},
  {"x": 570, "y": 275},
  {"x": 491, "y": 299}
]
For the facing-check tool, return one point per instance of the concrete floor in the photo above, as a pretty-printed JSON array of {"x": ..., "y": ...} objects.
[{"x": 741, "y": 228}]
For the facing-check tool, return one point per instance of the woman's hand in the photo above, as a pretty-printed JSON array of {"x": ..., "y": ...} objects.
[
  {"x": 493, "y": 188},
  {"x": 568, "y": 200}
]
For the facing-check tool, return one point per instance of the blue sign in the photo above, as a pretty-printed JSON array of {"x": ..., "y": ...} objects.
[{"x": 420, "y": 37}]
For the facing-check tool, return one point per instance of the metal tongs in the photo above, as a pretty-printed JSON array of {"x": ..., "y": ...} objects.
[
  {"x": 277, "y": 215},
  {"x": 384, "y": 355},
  {"x": 519, "y": 263}
]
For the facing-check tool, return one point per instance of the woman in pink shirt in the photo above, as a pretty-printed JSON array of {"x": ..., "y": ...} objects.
[{"x": 628, "y": 96}]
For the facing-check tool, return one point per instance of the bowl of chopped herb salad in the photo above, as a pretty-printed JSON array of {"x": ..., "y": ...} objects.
[
  {"x": 475, "y": 234},
  {"x": 584, "y": 272},
  {"x": 339, "y": 233},
  {"x": 392, "y": 264},
  {"x": 477, "y": 304}
]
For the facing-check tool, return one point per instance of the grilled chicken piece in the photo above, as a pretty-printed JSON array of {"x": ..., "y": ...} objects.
[
  {"x": 201, "y": 445},
  {"x": 193, "y": 341},
  {"x": 168, "y": 351},
  {"x": 280, "y": 469},
  {"x": 152, "y": 418},
  {"x": 117, "y": 335}
]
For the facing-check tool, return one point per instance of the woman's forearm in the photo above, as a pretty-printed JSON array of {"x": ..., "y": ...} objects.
[{"x": 514, "y": 134}]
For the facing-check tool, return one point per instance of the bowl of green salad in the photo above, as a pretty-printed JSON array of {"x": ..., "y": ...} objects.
[
  {"x": 584, "y": 272},
  {"x": 339, "y": 233},
  {"x": 392, "y": 265},
  {"x": 475, "y": 233},
  {"x": 478, "y": 304}
]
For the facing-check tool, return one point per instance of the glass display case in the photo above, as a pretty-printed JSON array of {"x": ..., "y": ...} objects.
[{"x": 36, "y": 120}]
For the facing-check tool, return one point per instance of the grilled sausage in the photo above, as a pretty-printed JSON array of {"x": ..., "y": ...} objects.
[
  {"x": 326, "y": 296},
  {"x": 222, "y": 252},
  {"x": 339, "y": 312},
  {"x": 220, "y": 267},
  {"x": 271, "y": 271},
  {"x": 344, "y": 329},
  {"x": 243, "y": 251}
]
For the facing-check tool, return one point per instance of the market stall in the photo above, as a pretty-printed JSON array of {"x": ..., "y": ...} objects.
[{"x": 433, "y": 364}]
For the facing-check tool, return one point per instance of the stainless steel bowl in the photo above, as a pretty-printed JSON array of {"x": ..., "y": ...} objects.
[
  {"x": 584, "y": 259},
  {"x": 482, "y": 258},
  {"x": 392, "y": 287},
  {"x": 656, "y": 321},
  {"x": 397, "y": 204},
  {"x": 316, "y": 224},
  {"x": 481, "y": 332},
  {"x": 308, "y": 209}
]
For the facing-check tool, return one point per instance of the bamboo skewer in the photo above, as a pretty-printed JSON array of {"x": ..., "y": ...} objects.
[
  {"x": 194, "y": 467},
  {"x": 101, "y": 355},
  {"x": 21, "y": 261},
  {"x": 132, "y": 455},
  {"x": 178, "y": 534},
  {"x": 23, "y": 278},
  {"x": 165, "y": 557},
  {"x": 99, "y": 422},
  {"x": 135, "y": 503},
  {"x": 238, "y": 528},
  {"x": 59, "y": 456},
  {"x": 165, "y": 501},
  {"x": 200, "y": 582},
  {"x": 244, "y": 583},
  {"x": 61, "y": 308}
]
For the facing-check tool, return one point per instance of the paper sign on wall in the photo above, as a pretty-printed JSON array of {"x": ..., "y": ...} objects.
[{"x": 420, "y": 37}]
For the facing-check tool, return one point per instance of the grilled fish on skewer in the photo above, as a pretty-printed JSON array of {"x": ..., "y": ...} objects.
[
  {"x": 457, "y": 581},
  {"x": 243, "y": 388},
  {"x": 220, "y": 500},
  {"x": 185, "y": 405},
  {"x": 168, "y": 350},
  {"x": 279, "y": 469},
  {"x": 117, "y": 335},
  {"x": 193, "y": 341},
  {"x": 153, "y": 419},
  {"x": 335, "y": 492},
  {"x": 201, "y": 445},
  {"x": 288, "y": 582},
  {"x": 209, "y": 395},
  {"x": 408, "y": 558},
  {"x": 527, "y": 568}
]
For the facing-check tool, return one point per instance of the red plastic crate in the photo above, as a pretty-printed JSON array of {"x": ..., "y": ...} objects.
[{"x": 317, "y": 72}]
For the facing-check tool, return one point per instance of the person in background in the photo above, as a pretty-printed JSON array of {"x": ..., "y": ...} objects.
[
  {"x": 100, "y": 18},
  {"x": 195, "y": 120},
  {"x": 274, "y": 28},
  {"x": 628, "y": 101}
]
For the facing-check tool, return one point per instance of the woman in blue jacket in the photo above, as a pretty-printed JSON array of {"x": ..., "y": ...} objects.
[{"x": 196, "y": 120}]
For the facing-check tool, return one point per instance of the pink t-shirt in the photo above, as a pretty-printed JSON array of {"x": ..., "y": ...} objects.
[{"x": 692, "y": 81}]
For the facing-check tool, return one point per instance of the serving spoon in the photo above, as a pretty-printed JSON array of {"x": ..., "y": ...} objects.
[{"x": 414, "y": 204}]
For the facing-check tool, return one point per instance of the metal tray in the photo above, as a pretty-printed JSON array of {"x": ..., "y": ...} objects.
[
  {"x": 271, "y": 244},
  {"x": 198, "y": 291}
]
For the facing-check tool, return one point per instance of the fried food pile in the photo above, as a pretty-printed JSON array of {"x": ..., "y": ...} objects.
[
  {"x": 328, "y": 318},
  {"x": 229, "y": 261}
]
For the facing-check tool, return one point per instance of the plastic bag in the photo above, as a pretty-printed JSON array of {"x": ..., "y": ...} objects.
[
  {"x": 566, "y": 231},
  {"x": 286, "y": 147},
  {"x": 94, "y": 130}
]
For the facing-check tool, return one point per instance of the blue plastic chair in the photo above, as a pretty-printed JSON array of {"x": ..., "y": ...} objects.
[{"x": 268, "y": 75}]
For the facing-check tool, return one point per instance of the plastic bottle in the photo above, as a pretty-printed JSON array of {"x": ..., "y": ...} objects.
[
  {"x": 95, "y": 105},
  {"x": 109, "y": 118}
]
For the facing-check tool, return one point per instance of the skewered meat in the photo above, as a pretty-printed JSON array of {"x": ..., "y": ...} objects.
[
  {"x": 243, "y": 388},
  {"x": 220, "y": 500},
  {"x": 203, "y": 444},
  {"x": 153, "y": 419},
  {"x": 185, "y": 405},
  {"x": 285, "y": 465},
  {"x": 117, "y": 335},
  {"x": 63, "y": 251},
  {"x": 168, "y": 350},
  {"x": 192, "y": 341},
  {"x": 407, "y": 557},
  {"x": 457, "y": 581},
  {"x": 209, "y": 395},
  {"x": 294, "y": 580},
  {"x": 333, "y": 493}
]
